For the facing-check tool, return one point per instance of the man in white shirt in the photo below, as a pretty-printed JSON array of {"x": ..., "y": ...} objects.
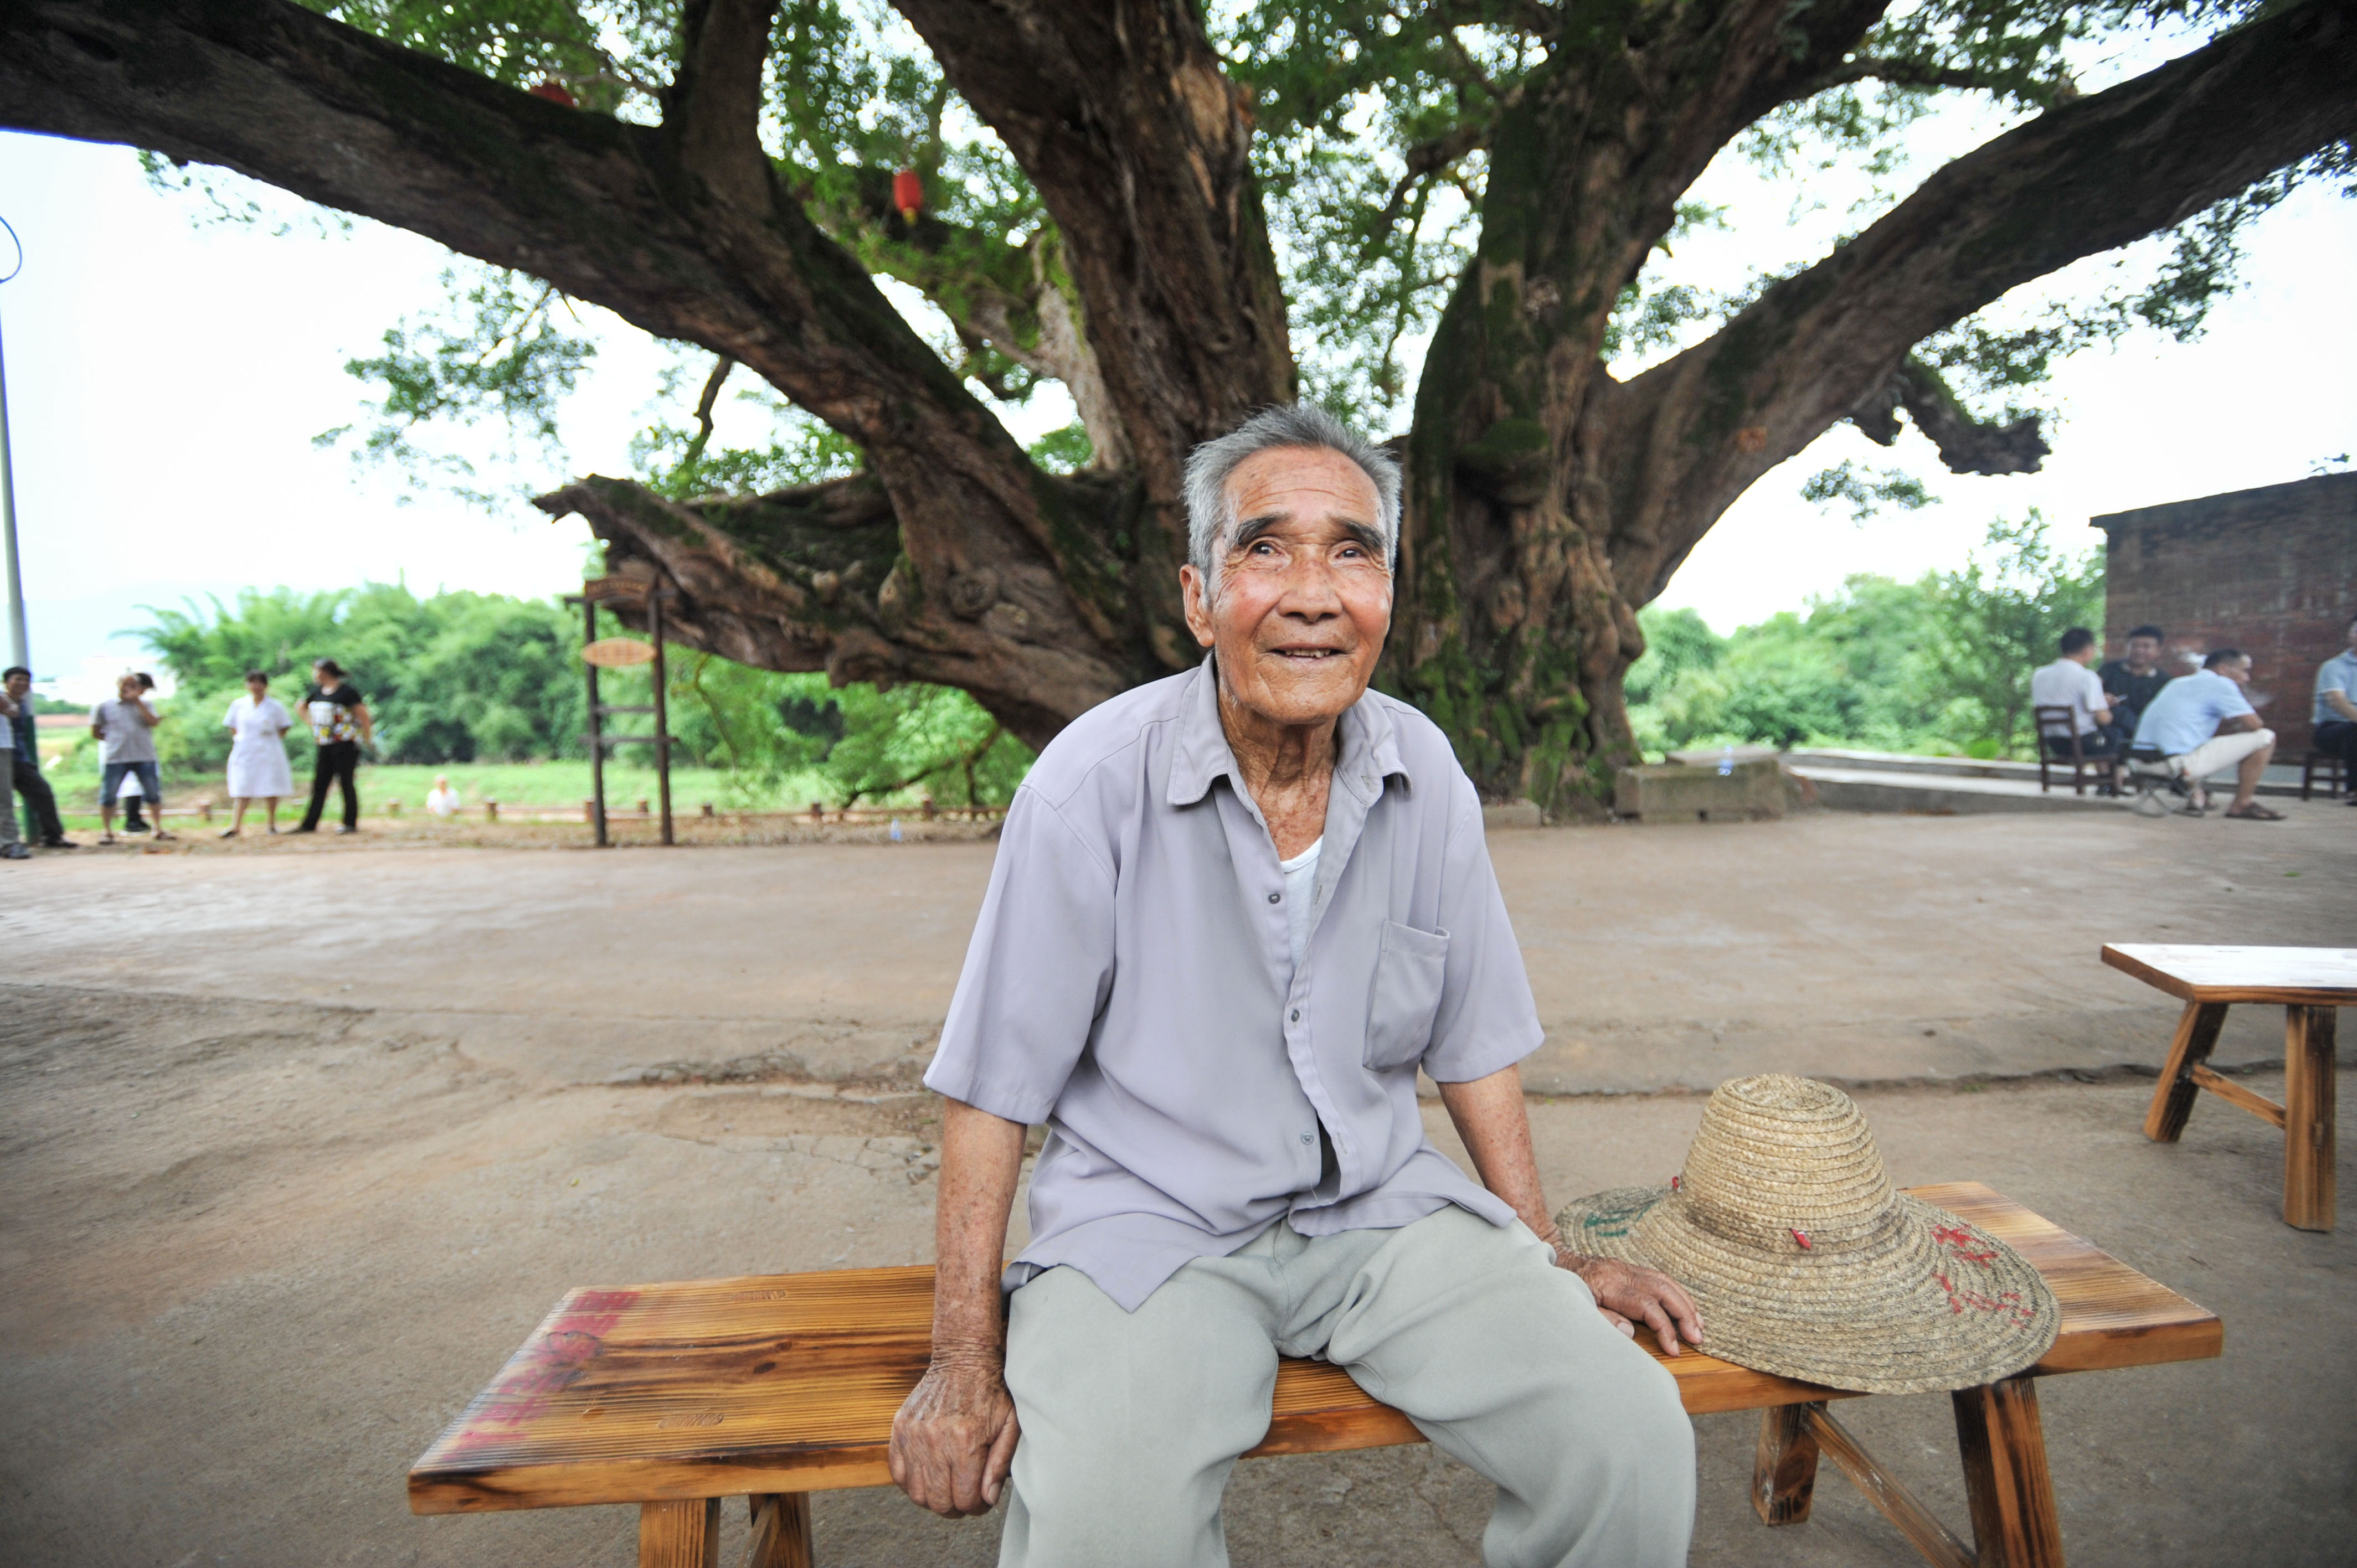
[
  {"x": 2068, "y": 682},
  {"x": 2203, "y": 723}
]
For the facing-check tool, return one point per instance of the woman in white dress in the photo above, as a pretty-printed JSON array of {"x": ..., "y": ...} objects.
[{"x": 257, "y": 756}]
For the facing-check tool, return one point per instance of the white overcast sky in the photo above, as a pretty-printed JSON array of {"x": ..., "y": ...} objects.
[{"x": 164, "y": 381}]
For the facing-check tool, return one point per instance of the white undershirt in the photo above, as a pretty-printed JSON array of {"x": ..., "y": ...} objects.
[{"x": 1300, "y": 896}]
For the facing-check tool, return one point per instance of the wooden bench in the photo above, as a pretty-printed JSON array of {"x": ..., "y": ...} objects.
[
  {"x": 773, "y": 1386},
  {"x": 2310, "y": 984}
]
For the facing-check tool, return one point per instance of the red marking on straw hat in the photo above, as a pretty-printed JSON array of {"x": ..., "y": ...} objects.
[
  {"x": 1677, "y": 1181},
  {"x": 1962, "y": 1243},
  {"x": 1803, "y": 1237}
]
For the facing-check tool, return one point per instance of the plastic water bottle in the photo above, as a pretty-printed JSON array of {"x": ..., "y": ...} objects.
[
  {"x": 896, "y": 829},
  {"x": 1726, "y": 761}
]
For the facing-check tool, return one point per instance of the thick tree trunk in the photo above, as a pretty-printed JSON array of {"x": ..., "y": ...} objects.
[{"x": 1547, "y": 500}]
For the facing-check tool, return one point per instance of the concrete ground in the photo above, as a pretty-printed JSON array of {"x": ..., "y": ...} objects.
[
  {"x": 1866, "y": 949},
  {"x": 295, "y": 1150}
]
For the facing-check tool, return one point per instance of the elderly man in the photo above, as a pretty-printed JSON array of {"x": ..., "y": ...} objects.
[
  {"x": 1232, "y": 913},
  {"x": 2203, "y": 723}
]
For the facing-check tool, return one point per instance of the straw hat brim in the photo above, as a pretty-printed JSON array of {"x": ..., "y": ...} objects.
[{"x": 1933, "y": 1304}]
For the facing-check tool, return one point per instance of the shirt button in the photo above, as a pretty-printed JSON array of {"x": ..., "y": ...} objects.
[
  {"x": 1296, "y": 1015},
  {"x": 1307, "y": 1138},
  {"x": 1276, "y": 897}
]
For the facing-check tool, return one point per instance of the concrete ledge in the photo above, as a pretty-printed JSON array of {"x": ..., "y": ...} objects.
[
  {"x": 1727, "y": 793},
  {"x": 1512, "y": 814},
  {"x": 1863, "y": 790}
]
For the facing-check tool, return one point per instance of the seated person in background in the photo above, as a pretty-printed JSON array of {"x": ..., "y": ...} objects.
[
  {"x": 2201, "y": 723},
  {"x": 2132, "y": 682},
  {"x": 2068, "y": 683},
  {"x": 2336, "y": 708},
  {"x": 442, "y": 800}
]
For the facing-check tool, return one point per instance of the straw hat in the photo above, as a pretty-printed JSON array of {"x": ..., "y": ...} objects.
[{"x": 1806, "y": 1263}]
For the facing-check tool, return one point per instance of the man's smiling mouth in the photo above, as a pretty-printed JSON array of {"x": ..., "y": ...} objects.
[{"x": 1307, "y": 655}]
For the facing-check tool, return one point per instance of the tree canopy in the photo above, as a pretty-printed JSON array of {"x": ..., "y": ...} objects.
[{"x": 1178, "y": 212}]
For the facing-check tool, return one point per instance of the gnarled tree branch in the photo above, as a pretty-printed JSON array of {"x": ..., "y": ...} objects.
[
  {"x": 813, "y": 578},
  {"x": 2083, "y": 177},
  {"x": 1966, "y": 445},
  {"x": 713, "y": 112},
  {"x": 605, "y": 210},
  {"x": 1136, "y": 140}
]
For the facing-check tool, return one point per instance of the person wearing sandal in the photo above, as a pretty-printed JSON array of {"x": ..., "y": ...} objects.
[
  {"x": 126, "y": 731},
  {"x": 2203, "y": 722}
]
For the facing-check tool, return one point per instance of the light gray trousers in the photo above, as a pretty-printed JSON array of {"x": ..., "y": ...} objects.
[{"x": 1132, "y": 1421}]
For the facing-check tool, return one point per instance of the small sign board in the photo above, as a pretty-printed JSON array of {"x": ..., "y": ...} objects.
[{"x": 618, "y": 652}]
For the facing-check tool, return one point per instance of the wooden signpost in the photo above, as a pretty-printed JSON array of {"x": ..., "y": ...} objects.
[{"x": 617, "y": 653}]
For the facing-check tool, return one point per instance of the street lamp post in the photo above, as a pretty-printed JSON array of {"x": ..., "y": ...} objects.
[{"x": 20, "y": 646}]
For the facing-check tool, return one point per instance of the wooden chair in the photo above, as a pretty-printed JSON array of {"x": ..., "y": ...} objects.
[
  {"x": 2057, "y": 722},
  {"x": 2310, "y": 984},
  {"x": 2329, "y": 763},
  {"x": 773, "y": 1386}
]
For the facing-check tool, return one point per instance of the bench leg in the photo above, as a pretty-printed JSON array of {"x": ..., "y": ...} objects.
[
  {"x": 1938, "y": 1544},
  {"x": 1784, "y": 1472},
  {"x": 2308, "y": 1117},
  {"x": 782, "y": 1531},
  {"x": 2173, "y": 1097},
  {"x": 684, "y": 1534},
  {"x": 2014, "y": 1521}
]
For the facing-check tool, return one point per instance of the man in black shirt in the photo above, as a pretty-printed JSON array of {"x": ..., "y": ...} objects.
[
  {"x": 2133, "y": 682},
  {"x": 41, "y": 820},
  {"x": 340, "y": 721}
]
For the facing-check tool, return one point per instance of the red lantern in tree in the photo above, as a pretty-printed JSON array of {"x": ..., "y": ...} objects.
[
  {"x": 554, "y": 92},
  {"x": 908, "y": 194}
]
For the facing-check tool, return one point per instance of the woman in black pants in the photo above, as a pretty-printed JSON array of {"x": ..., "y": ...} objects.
[{"x": 339, "y": 717}]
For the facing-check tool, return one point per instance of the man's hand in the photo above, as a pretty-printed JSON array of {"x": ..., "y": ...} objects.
[
  {"x": 1628, "y": 1293},
  {"x": 954, "y": 1440}
]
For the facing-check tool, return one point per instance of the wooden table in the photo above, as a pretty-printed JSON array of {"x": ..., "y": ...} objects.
[
  {"x": 773, "y": 1387},
  {"x": 2310, "y": 984}
]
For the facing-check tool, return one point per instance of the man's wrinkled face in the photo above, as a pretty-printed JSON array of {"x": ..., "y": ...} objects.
[
  {"x": 1303, "y": 598},
  {"x": 2143, "y": 651}
]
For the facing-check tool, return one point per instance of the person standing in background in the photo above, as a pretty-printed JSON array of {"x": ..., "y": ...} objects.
[
  {"x": 41, "y": 819},
  {"x": 11, "y": 847},
  {"x": 133, "y": 792},
  {"x": 258, "y": 723},
  {"x": 339, "y": 719},
  {"x": 126, "y": 729}
]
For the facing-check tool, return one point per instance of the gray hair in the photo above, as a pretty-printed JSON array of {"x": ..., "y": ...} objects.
[{"x": 1210, "y": 520}]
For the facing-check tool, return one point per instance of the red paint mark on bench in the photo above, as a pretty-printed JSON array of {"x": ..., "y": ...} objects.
[{"x": 550, "y": 1362}]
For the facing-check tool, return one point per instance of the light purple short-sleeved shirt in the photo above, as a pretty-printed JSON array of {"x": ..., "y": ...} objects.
[{"x": 1131, "y": 984}]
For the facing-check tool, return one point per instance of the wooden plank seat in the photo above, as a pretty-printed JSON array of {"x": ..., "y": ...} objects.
[
  {"x": 2310, "y": 984},
  {"x": 773, "y": 1387}
]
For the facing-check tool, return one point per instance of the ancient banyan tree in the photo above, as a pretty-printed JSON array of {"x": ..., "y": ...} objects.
[{"x": 1135, "y": 211}]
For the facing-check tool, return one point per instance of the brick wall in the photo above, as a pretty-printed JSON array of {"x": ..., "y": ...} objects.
[{"x": 2271, "y": 571}]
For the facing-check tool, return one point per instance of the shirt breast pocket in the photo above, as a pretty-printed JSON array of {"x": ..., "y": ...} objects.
[{"x": 1409, "y": 970}]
